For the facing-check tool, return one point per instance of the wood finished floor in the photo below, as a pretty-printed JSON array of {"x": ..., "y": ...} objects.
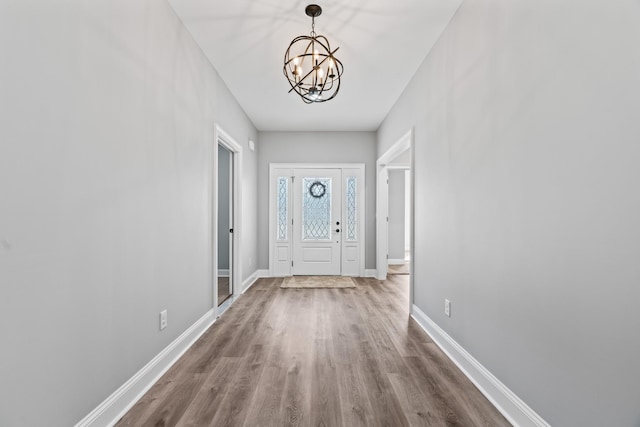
[
  {"x": 315, "y": 357},
  {"x": 224, "y": 289},
  {"x": 399, "y": 268}
]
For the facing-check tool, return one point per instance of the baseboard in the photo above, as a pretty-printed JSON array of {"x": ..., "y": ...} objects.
[
  {"x": 265, "y": 273},
  {"x": 398, "y": 261},
  {"x": 511, "y": 406},
  {"x": 223, "y": 273},
  {"x": 253, "y": 278},
  {"x": 249, "y": 281},
  {"x": 116, "y": 405}
]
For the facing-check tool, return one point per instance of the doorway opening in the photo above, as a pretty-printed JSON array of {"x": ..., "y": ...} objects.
[
  {"x": 394, "y": 211},
  {"x": 399, "y": 214},
  {"x": 225, "y": 217},
  {"x": 227, "y": 198}
]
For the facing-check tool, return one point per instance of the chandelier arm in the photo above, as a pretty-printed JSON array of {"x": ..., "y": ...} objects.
[
  {"x": 293, "y": 87},
  {"x": 304, "y": 55},
  {"x": 325, "y": 87},
  {"x": 321, "y": 62},
  {"x": 326, "y": 46}
]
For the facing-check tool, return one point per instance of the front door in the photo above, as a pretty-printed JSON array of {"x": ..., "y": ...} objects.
[{"x": 317, "y": 224}]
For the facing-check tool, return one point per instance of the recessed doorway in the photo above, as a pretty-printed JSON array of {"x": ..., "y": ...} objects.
[
  {"x": 225, "y": 224},
  {"x": 399, "y": 213},
  {"x": 394, "y": 211},
  {"x": 316, "y": 219},
  {"x": 226, "y": 221}
]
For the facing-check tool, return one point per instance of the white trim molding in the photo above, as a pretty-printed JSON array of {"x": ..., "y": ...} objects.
[
  {"x": 253, "y": 278},
  {"x": 123, "y": 399},
  {"x": 511, "y": 406},
  {"x": 396, "y": 261}
]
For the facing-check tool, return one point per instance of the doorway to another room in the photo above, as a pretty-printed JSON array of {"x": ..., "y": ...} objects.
[
  {"x": 225, "y": 224},
  {"x": 399, "y": 213},
  {"x": 394, "y": 212},
  {"x": 226, "y": 221}
]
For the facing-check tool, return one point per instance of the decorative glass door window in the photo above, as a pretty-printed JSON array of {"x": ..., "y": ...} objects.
[
  {"x": 351, "y": 208},
  {"x": 316, "y": 209},
  {"x": 283, "y": 204}
]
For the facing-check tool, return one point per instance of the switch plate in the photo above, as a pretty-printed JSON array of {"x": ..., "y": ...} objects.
[
  {"x": 163, "y": 319},
  {"x": 447, "y": 308}
]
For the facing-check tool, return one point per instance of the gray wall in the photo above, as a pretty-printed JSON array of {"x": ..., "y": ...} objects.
[
  {"x": 316, "y": 147},
  {"x": 224, "y": 204},
  {"x": 105, "y": 145},
  {"x": 396, "y": 214},
  {"x": 526, "y": 190}
]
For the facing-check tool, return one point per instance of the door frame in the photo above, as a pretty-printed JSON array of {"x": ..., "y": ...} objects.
[
  {"x": 361, "y": 211},
  {"x": 220, "y": 137},
  {"x": 383, "y": 165}
]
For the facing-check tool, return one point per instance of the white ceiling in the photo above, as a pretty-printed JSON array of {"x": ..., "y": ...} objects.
[{"x": 382, "y": 43}]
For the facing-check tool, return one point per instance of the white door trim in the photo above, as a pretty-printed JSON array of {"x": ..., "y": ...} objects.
[
  {"x": 220, "y": 137},
  {"x": 383, "y": 165},
  {"x": 360, "y": 203}
]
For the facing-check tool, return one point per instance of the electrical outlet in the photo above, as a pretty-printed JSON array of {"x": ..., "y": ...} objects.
[
  {"x": 447, "y": 308},
  {"x": 163, "y": 319}
]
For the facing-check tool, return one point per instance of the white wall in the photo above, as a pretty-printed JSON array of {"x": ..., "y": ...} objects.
[
  {"x": 526, "y": 189},
  {"x": 108, "y": 110},
  {"x": 316, "y": 147},
  {"x": 396, "y": 214}
]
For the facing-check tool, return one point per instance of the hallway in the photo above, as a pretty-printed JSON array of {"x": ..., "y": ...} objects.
[
  {"x": 328, "y": 357},
  {"x": 518, "y": 121}
]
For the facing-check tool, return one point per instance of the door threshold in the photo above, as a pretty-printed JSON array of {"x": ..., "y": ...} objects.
[{"x": 226, "y": 304}]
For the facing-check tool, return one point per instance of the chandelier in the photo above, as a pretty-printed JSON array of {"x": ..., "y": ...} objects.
[{"x": 310, "y": 66}]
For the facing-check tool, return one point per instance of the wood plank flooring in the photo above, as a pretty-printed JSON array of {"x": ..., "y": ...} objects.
[
  {"x": 315, "y": 357},
  {"x": 224, "y": 289}
]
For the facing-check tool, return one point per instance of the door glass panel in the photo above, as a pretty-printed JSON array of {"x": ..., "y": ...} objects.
[
  {"x": 351, "y": 208},
  {"x": 283, "y": 214},
  {"x": 316, "y": 209}
]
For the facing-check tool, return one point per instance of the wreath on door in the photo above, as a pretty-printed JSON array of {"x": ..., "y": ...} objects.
[{"x": 317, "y": 189}]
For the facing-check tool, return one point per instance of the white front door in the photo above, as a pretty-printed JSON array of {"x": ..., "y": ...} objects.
[{"x": 317, "y": 222}]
